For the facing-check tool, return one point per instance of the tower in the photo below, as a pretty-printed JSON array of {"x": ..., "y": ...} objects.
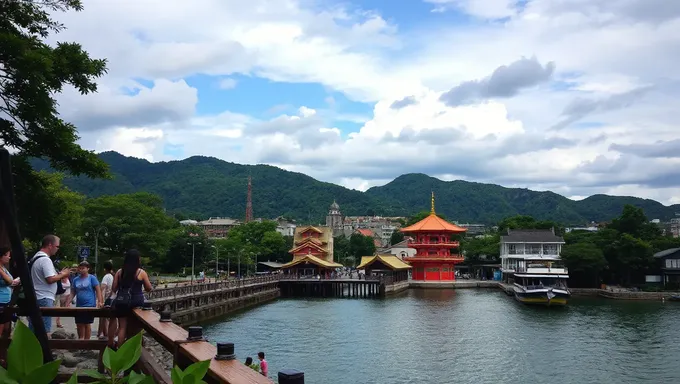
[
  {"x": 436, "y": 254},
  {"x": 334, "y": 218},
  {"x": 249, "y": 201}
]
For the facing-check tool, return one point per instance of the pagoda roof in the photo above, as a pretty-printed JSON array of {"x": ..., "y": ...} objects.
[
  {"x": 308, "y": 244},
  {"x": 311, "y": 259},
  {"x": 390, "y": 261},
  {"x": 433, "y": 223}
]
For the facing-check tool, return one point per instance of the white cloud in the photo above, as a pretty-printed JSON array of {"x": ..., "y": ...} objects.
[
  {"x": 227, "y": 83},
  {"x": 600, "y": 49}
]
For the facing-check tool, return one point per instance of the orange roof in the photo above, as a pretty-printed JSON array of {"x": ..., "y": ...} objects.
[
  {"x": 433, "y": 223},
  {"x": 365, "y": 232}
]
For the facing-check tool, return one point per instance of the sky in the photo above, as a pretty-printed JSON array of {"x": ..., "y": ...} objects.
[{"x": 575, "y": 96}]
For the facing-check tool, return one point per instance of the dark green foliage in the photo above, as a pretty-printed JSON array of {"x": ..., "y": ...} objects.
[
  {"x": 32, "y": 72},
  {"x": 200, "y": 187},
  {"x": 360, "y": 245},
  {"x": 132, "y": 221},
  {"x": 397, "y": 236}
]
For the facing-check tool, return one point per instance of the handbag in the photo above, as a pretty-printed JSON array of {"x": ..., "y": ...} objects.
[{"x": 123, "y": 298}]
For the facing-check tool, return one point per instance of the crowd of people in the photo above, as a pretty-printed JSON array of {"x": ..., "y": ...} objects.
[{"x": 122, "y": 291}]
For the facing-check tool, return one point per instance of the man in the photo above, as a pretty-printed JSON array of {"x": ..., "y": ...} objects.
[{"x": 45, "y": 276}]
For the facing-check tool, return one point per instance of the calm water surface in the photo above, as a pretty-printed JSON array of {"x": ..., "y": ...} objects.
[{"x": 464, "y": 336}]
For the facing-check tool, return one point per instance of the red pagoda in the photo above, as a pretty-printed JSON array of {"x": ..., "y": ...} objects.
[{"x": 431, "y": 237}]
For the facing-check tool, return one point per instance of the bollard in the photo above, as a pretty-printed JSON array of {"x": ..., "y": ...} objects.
[
  {"x": 147, "y": 306},
  {"x": 195, "y": 333},
  {"x": 166, "y": 316},
  {"x": 291, "y": 376},
  {"x": 225, "y": 351}
]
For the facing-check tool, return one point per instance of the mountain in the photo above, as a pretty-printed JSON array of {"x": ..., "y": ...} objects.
[{"x": 201, "y": 187}]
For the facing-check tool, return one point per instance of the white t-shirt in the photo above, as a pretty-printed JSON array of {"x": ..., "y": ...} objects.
[
  {"x": 41, "y": 270},
  {"x": 107, "y": 285}
]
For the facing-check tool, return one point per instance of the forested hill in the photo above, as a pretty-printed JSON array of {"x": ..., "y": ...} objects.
[{"x": 201, "y": 187}]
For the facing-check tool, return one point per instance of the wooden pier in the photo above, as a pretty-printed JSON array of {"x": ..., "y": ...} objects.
[{"x": 342, "y": 288}]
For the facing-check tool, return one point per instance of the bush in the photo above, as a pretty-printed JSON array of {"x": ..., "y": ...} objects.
[{"x": 24, "y": 362}]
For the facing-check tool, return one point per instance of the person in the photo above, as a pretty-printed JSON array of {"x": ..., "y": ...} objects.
[
  {"x": 249, "y": 363},
  {"x": 88, "y": 294},
  {"x": 45, "y": 276},
  {"x": 7, "y": 284},
  {"x": 107, "y": 286},
  {"x": 64, "y": 300},
  {"x": 264, "y": 366},
  {"x": 128, "y": 280}
]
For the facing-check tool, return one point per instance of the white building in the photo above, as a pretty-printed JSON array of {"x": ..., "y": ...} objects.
[
  {"x": 284, "y": 227},
  {"x": 400, "y": 249},
  {"x": 521, "y": 247}
]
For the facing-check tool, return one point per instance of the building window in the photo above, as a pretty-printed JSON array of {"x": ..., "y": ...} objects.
[
  {"x": 673, "y": 263},
  {"x": 512, "y": 249},
  {"x": 550, "y": 249}
]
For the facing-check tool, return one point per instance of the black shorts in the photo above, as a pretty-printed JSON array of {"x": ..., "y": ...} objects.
[
  {"x": 126, "y": 310},
  {"x": 84, "y": 319},
  {"x": 11, "y": 318}
]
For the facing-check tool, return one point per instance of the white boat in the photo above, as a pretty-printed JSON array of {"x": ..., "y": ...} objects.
[{"x": 542, "y": 285}]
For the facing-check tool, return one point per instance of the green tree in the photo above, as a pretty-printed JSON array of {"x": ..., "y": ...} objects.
[
  {"x": 585, "y": 262},
  {"x": 179, "y": 253},
  {"x": 341, "y": 249},
  {"x": 527, "y": 222},
  {"x": 32, "y": 73},
  {"x": 360, "y": 245},
  {"x": 397, "y": 236},
  {"x": 480, "y": 250},
  {"x": 134, "y": 220}
]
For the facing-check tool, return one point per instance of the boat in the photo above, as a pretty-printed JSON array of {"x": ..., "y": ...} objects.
[
  {"x": 541, "y": 284},
  {"x": 674, "y": 298}
]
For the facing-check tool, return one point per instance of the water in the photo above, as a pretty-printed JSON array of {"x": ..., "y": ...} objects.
[{"x": 464, "y": 336}]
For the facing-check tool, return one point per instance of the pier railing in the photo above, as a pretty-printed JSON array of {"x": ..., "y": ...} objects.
[
  {"x": 197, "y": 287},
  {"x": 175, "y": 339}
]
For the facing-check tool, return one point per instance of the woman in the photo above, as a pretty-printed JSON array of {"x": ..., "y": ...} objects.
[
  {"x": 107, "y": 286},
  {"x": 7, "y": 283},
  {"x": 88, "y": 294},
  {"x": 65, "y": 298},
  {"x": 127, "y": 283}
]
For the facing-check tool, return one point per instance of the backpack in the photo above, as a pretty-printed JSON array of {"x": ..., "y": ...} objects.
[{"x": 60, "y": 288}]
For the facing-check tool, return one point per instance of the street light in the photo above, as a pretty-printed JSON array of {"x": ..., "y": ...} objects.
[
  {"x": 217, "y": 262},
  {"x": 193, "y": 259},
  {"x": 96, "y": 244}
]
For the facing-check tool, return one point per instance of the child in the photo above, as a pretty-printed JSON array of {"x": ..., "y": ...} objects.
[
  {"x": 264, "y": 367},
  {"x": 254, "y": 366},
  {"x": 88, "y": 293}
]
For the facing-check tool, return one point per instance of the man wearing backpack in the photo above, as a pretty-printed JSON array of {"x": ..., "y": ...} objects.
[{"x": 45, "y": 276}]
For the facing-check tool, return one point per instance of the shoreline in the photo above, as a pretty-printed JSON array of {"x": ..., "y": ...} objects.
[{"x": 612, "y": 293}]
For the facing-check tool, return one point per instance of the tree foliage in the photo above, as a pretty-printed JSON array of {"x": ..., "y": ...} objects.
[
  {"x": 132, "y": 221},
  {"x": 31, "y": 73},
  {"x": 360, "y": 245}
]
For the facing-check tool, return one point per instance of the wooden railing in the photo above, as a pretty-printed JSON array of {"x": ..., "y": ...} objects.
[
  {"x": 169, "y": 335},
  {"x": 180, "y": 290}
]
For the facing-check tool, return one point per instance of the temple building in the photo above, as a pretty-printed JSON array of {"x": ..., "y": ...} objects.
[
  {"x": 385, "y": 266},
  {"x": 312, "y": 252},
  {"x": 431, "y": 238}
]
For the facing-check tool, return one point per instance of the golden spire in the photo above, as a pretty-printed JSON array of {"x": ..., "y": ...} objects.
[{"x": 432, "y": 209}]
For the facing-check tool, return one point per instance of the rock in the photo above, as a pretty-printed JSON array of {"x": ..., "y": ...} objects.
[
  {"x": 68, "y": 360},
  {"x": 62, "y": 334},
  {"x": 87, "y": 364}
]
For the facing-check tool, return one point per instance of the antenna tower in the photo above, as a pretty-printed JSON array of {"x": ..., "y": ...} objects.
[{"x": 249, "y": 201}]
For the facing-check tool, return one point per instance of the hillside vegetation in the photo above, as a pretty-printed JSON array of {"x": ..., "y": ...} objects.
[{"x": 200, "y": 187}]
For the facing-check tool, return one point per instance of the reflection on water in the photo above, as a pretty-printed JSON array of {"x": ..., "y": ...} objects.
[{"x": 463, "y": 336}]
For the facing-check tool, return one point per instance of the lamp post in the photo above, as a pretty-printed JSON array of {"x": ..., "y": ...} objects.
[
  {"x": 193, "y": 259},
  {"x": 217, "y": 261},
  {"x": 96, "y": 244}
]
